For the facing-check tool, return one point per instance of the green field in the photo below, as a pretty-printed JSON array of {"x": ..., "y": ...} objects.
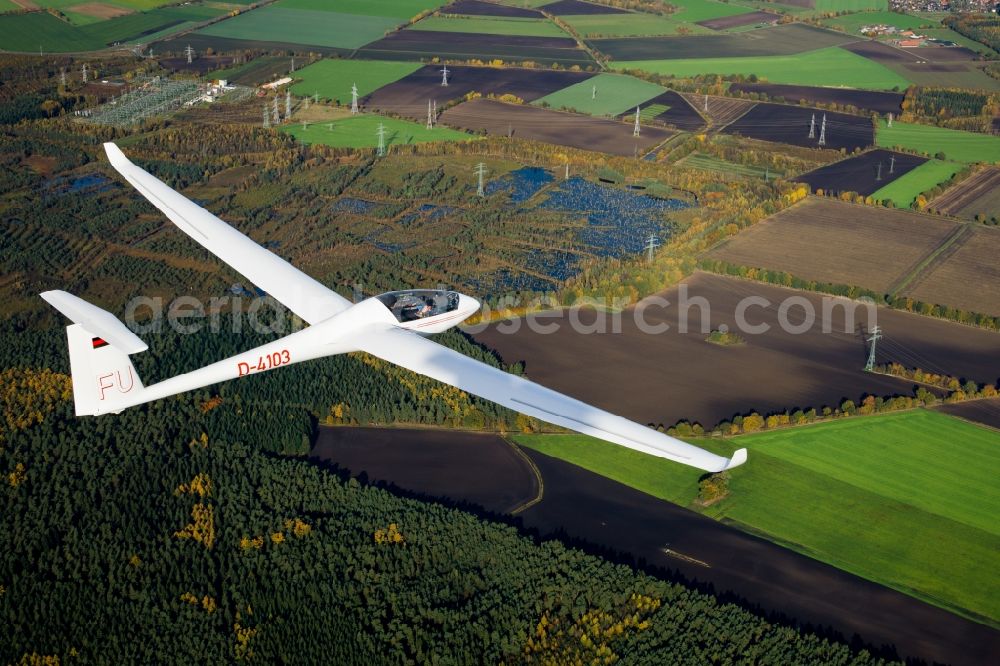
[
  {"x": 956, "y": 145},
  {"x": 850, "y": 5},
  {"x": 852, "y": 22},
  {"x": 333, "y": 78},
  {"x": 304, "y": 26},
  {"x": 703, "y": 10},
  {"x": 908, "y": 500},
  {"x": 630, "y": 25},
  {"x": 710, "y": 163},
  {"x": 831, "y": 66},
  {"x": 399, "y": 9},
  {"x": 360, "y": 132},
  {"x": 615, "y": 94},
  {"x": 491, "y": 26},
  {"x": 28, "y": 32},
  {"x": 961, "y": 40},
  {"x": 902, "y": 191}
]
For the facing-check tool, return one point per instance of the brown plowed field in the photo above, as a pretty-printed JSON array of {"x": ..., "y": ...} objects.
[
  {"x": 578, "y": 8},
  {"x": 882, "y": 102},
  {"x": 859, "y": 174},
  {"x": 979, "y": 194},
  {"x": 408, "y": 96},
  {"x": 669, "y": 376},
  {"x": 966, "y": 279},
  {"x": 416, "y": 44},
  {"x": 985, "y": 412},
  {"x": 832, "y": 241},
  {"x": 784, "y": 123},
  {"x": 721, "y": 110},
  {"x": 680, "y": 114},
  {"x": 750, "y": 18},
  {"x": 480, "y": 8},
  {"x": 567, "y": 129}
]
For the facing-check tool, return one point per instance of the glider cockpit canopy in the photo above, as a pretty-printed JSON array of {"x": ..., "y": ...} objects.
[{"x": 414, "y": 304}]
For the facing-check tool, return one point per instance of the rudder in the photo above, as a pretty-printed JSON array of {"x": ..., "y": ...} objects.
[{"x": 104, "y": 379}]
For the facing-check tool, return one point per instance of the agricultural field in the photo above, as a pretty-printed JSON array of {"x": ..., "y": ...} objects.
[
  {"x": 716, "y": 165},
  {"x": 983, "y": 412},
  {"x": 675, "y": 375},
  {"x": 569, "y": 7},
  {"x": 978, "y": 195},
  {"x": 864, "y": 174},
  {"x": 824, "y": 67},
  {"x": 746, "y": 21},
  {"x": 820, "y": 488},
  {"x": 409, "y": 95},
  {"x": 903, "y": 191},
  {"x": 555, "y": 127},
  {"x": 672, "y": 109},
  {"x": 257, "y": 71},
  {"x": 771, "y": 41},
  {"x": 361, "y": 132},
  {"x": 481, "y": 8},
  {"x": 332, "y": 78},
  {"x": 881, "y": 102},
  {"x": 852, "y": 23},
  {"x": 491, "y": 26},
  {"x": 831, "y": 241},
  {"x": 928, "y": 66},
  {"x": 604, "y": 26},
  {"x": 285, "y": 24},
  {"x": 415, "y": 44},
  {"x": 791, "y": 124},
  {"x": 29, "y": 32},
  {"x": 614, "y": 95},
  {"x": 965, "y": 276},
  {"x": 955, "y": 145},
  {"x": 720, "y": 110},
  {"x": 396, "y": 9}
]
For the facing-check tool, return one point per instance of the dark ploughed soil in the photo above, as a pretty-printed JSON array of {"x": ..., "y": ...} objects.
[
  {"x": 673, "y": 376},
  {"x": 860, "y": 174},
  {"x": 578, "y": 8},
  {"x": 885, "y": 53},
  {"x": 790, "y": 124},
  {"x": 415, "y": 44},
  {"x": 479, "y": 8},
  {"x": 409, "y": 95},
  {"x": 462, "y": 467},
  {"x": 750, "y": 18},
  {"x": 586, "y": 506},
  {"x": 985, "y": 412},
  {"x": 680, "y": 114},
  {"x": 882, "y": 102},
  {"x": 557, "y": 127}
]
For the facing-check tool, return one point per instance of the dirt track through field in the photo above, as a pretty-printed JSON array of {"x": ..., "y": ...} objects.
[{"x": 964, "y": 195}]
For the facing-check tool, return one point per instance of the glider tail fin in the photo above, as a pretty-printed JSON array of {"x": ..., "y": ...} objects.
[{"x": 104, "y": 379}]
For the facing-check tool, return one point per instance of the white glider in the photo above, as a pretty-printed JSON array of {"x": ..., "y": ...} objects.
[{"x": 389, "y": 327}]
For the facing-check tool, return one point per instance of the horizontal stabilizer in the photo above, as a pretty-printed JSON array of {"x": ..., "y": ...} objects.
[{"x": 102, "y": 325}]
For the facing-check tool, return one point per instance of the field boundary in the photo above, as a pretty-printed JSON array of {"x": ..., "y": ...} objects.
[
  {"x": 539, "y": 481},
  {"x": 937, "y": 255}
]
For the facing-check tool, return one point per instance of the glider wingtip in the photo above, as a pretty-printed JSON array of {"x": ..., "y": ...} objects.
[
  {"x": 115, "y": 154},
  {"x": 738, "y": 459}
]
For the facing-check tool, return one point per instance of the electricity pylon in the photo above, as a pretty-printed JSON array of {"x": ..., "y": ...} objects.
[
  {"x": 288, "y": 104},
  {"x": 84, "y": 72},
  {"x": 190, "y": 53},
  {"x": 381, "y": 139},
  {"x": 651, "y": 244},
  {"x": 430, "y": 120},
  {"x": 593, "y": 92},
  {"x": 812, "y": 127},
  {"x": 62, "y": 77},
  {"x": 444, "y": 76},
  {"x": 873, "y": 339},
  {"x": 275, "y": 117},
  {"x": 635, "y": 130},
  {"x": 481, "y": 172},
  {"x": 354, "y": 99},
  {"x": 892, "y": 163},
  {"x": 706, "y": 103},
  {"x": 878, "y": 174},
  {"x": 890, "y": 119},
  {"x": 267, "y": 118},
  {"x": 822, "y": 132}
]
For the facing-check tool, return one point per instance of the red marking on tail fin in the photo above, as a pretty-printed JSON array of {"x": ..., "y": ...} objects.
[{"x": 99, "y": 342}]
